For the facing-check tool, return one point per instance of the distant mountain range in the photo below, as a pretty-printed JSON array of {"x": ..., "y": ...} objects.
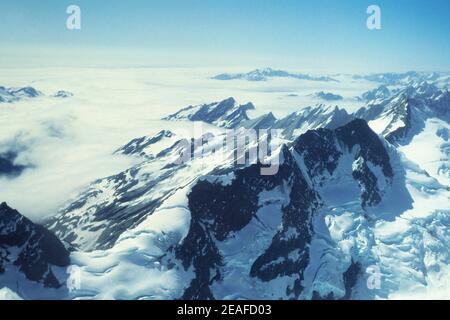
[
  {"x": 267, "y": 73},
  {"x": 400, "y": 78},
  {"x": 382, "y": 92},
  {"x": 9, "y": 95},
  {"x": 386, "y": 79},
  {"x": 381, "y": 104}
]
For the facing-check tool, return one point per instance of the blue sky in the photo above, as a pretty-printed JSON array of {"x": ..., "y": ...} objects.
[{"x": 302, "y": 34}]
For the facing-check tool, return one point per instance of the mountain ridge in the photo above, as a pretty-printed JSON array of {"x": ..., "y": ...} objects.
[{"x": 268, "y": 73}]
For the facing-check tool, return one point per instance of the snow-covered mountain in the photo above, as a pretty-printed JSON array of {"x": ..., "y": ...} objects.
[
  {"x": 267, "y": 73},
  {"x": 8, "y": 95},
  {"x": 16, "y": 94},
  {"x": 319, "y": 116},
  {"x": 294, "y": 124},
  {"x": 415, "y": 118},
  {"x": 382, "y": 92},
  {"x": 28, "y": 253},
  {"x": 226, "y": 113},
  {"x": 392, "y": 78},
  {"x": 401, "y": 116},
  {"x": 388, "y": 113}
]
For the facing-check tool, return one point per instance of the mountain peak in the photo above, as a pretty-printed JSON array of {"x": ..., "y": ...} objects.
[
  {"x": 422, "y": 89},
  {"x": 16, "y": 94},
  {"x": 226, "y": 113},
  {"x": 379, "y": 93},
  {"x": 30, "y": 248},
  {"x": 148, "y": 146}
]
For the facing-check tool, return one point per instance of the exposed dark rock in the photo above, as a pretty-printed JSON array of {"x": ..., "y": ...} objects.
[
  {"x": 35, "y": 248},
  {"x": 218, "y": 211},
  {"x": 322, "y": 150}
]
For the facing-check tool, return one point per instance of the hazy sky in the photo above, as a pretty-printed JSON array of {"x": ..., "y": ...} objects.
[{"x": 320, "y": 35}]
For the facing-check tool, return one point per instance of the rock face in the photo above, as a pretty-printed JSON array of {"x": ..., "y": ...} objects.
[
  {"x": 323, "y": 150},
  {"x": 30, "y": 248},
  {"x": 310, "y": 118},
  {"x": 228, "y": 209}
]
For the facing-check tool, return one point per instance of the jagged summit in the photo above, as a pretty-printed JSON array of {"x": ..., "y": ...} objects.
[
  {"x": 319, "y": 116},
  {"x": 324, "y": 149},
  {"x": 8, "y": 95},
  {"x": 381, "y": 92},
  {"x": 404, "y": 113},
  {"x": 149, "y": 146},
  {"x": 266, "y": 121},
  {"x": 226, "y": 113}
]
